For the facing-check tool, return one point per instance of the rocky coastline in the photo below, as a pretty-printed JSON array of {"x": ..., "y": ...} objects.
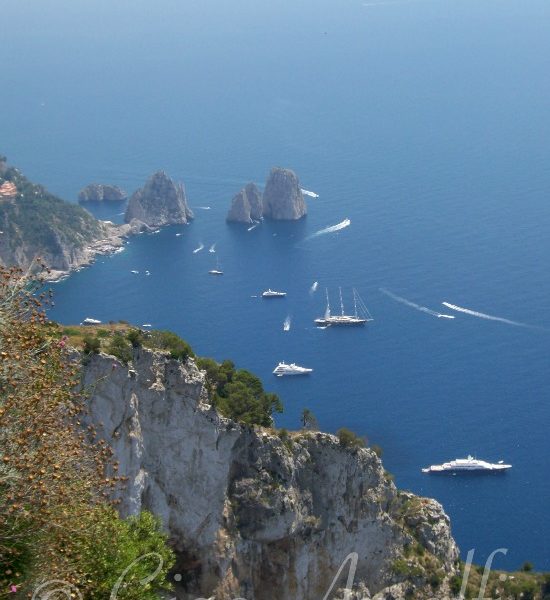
[{"x": 251, "y": 512}]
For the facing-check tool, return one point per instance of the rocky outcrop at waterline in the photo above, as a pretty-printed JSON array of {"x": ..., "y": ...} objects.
[
  {"x": 246, "y": 206},
  {"x": 283, "y": 198},
  {"x": 253, "y": 513},
  {"x": 98, "y": 192},
  {"x": 160, "y": 202}
]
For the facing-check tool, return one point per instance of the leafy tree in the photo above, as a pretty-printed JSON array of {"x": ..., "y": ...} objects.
[
  {"x": 308, "y": 420},
  {"x": 167, "y": 340},
  {"x": 135, "y": 337}
]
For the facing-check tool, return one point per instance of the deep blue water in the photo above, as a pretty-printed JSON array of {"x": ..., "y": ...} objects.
[{"x": 424, "y": 122}]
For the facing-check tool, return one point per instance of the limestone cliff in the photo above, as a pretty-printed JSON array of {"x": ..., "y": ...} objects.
[
  {"x": 160, "y": 202},
  {"x": 283, "y": 198},
  {"x": 246, "y": 206},
  {"x": 98, "y": 192},
  {"x": 252, "y": 514}
]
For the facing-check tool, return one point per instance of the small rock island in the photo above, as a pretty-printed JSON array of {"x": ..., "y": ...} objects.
[
  {"x": 99, "y": 192},
  {"x": 159, "y": 202},
  {"x": 246, "y": 206},
  {"x": 282, "y": 199}
]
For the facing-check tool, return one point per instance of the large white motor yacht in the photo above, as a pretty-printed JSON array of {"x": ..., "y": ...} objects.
[
  {"x": 283, "y": 369},
  {"x": 467, "y": 464},
  {"x": 273, "y": 294}
]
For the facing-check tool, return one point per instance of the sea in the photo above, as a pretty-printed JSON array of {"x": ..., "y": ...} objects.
[{"x": 426, "y": 123}]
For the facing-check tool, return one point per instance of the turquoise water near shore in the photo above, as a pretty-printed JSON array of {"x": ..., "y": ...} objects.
[{"x": 426, "y": 123}]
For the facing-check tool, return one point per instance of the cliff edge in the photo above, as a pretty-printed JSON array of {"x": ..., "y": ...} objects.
[
  {"x": 283, "y": 198},
  {"x": 253, "y": 513}
]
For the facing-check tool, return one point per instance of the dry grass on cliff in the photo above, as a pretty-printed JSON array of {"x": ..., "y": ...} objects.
[{"x": 51, "y": 475}]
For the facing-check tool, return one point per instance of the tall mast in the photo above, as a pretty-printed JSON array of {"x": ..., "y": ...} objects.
[
  {"x": 355, "y": 301},
  {"x": 341, "y": 302},
  {"x": 327, "y": 311}
]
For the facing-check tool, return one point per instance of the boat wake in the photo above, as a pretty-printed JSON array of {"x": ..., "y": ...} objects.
[
  {"x": 406, "y": 302},
  {"x": 203, "y": 207},
  {"x": 332, "y": 229},
  {"x": 308, "y": 193},
  {"x": 314, "y": 287},
  {"x": 212, "y": 248},
  {"x": 198, "y": 249},
  {"x": 253, "y": 226},
  {"x": 480, "y": 315},
  {"x": 287, "y": 323}
]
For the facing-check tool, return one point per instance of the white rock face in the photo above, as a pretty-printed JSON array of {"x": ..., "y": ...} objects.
[{"x": 249, "y": 515}]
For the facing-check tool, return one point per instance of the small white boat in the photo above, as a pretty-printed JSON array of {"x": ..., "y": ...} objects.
[
  {"x": 269, "y": 293},
  {"x": 90, "y": 321},
  {"x": 134, "y": 272},
  {"x": 147, "y": 325},
  {"x": 217, "y": 270},
  {"x": 467, "y": 464},
  {"x": 283, "y": 369},
  {"x": 147, "y": 272}
]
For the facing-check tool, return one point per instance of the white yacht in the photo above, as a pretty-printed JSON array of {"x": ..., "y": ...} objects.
[
  {"x": 467, "y": 464},
  {"x": 360, "y": 316},
  {"x": 273, "y": 294},
  {"x": 283, "y": 369},
  {"x": 90, "y": 321}
]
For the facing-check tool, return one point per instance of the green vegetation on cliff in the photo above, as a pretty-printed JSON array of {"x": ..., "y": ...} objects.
[
  {"x": 58, "y": 485},
  {"x": 37, "y": 223}
]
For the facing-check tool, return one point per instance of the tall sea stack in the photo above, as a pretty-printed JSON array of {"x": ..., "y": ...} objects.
[
  {"x": 283, "y": 198},
  {"x": 246, "y": 206},
  {"x": 159, "y": 202}
]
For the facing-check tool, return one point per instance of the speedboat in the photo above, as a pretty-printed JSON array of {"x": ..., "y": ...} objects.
[
  {"x": 273, "y": 294},
  {"x": 467, "y": 464},
  {"x": 283, "y": 369}
]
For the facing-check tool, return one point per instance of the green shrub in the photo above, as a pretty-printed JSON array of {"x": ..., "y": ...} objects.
[
  {"x": 167, "y": 340},
  {"x": 527, "y": 567},
  {"x": 348, "y": 439},
  {"x": 92, "y": 345},
  {"x": 135, "y": 337},
  {"x": 120, "y": 347},
  {"x": 377, "y": 450}
]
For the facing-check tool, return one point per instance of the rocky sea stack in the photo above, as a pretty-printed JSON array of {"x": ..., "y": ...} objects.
[
  {"x": 159, "y": 202},
  {"x": 246, "y": 206},
  {"x": 98, "y": 192},
  {"x": 283, "y": 198}
]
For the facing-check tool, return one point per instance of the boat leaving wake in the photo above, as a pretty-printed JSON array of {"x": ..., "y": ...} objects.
[
  {"x": 314, "y": 287},
  {"x": 480, "y": 315},
  {"x": 212, "y": 248},
  {"x": 253, "y": 226},
  {"x": 423, "y": 309},
  {"x": 308, "y": 193},
  {"x": 286, "y": 324},
  {"x": 202, "y": 207},
  {"x": 198, "y": 249},
  {"x": 332, "y": 229}
]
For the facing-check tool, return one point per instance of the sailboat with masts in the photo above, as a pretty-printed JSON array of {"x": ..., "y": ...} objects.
[{"x": 360, "y": 317}]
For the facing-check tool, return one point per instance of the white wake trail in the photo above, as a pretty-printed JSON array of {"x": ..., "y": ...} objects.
[
  {"x": 423, "y": 309},
  {"x": 309, "y": 193},
  {"x": 332, "y": 229},
  {"x": 286, "y": 324},
  {"x": 480, "y": 315},
  {"x": 314, "y": 287},
  {"x": 212, "y": 248},
  {"x": 199, "y": 248}
]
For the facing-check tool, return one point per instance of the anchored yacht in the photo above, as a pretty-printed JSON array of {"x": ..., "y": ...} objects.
[
  {"x": 360, "y": 317},
  {"x": 283, "y": 369},
  {"x": 217, "y": 270},
  {"x": 273, "y": 294},
  {"x": 467, "y": 464}
]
